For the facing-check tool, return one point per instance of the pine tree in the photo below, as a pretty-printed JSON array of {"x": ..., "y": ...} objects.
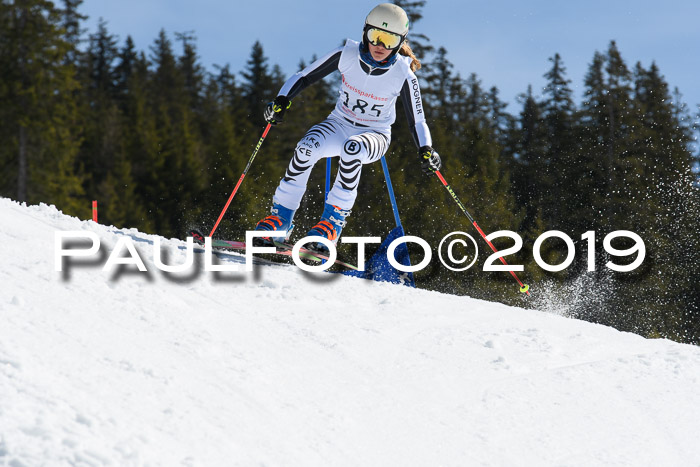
[
  {"x": 529, "y": 175},
  {"x": 660, "y": 183},
  {"x": 606, "y": 130},
  {"x": 101, "y": 120},
  {"x": 439, "y": 86},
  {"x": 500, "y": 120},
  {"x": 123, "y": 70},
  {"x": 118, "y": 194},
  {"x": 419, "y": 42},
  {"x": 72, "y": 31},
  {"x": 559, "y": 158},
  {"x": 226, "y": 138},
  {"x": 621, "y": 122},
  {"x": 191, "y": 70},
  {"x": 258, "y": 85},
  {"x": 139, "y": 140},
  {"x": 177, "y": 176},
  {"x": 38, "y": 113}
]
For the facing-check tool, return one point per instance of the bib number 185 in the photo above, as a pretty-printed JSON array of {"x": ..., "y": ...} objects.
[{"x": 360, "y": 105}]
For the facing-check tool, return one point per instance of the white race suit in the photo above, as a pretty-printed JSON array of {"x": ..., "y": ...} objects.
[{"x": 359, "y": 128}]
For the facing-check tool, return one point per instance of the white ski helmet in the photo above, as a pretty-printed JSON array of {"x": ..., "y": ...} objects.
[{"x": 388, "y": 17}]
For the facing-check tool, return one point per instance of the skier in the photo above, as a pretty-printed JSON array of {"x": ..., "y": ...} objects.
[{"x": 375, "y": 72}]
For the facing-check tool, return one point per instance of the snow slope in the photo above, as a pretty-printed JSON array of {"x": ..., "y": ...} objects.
[{"x": 279, "y": 368}]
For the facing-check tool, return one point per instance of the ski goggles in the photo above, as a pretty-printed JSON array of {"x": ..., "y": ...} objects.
[{"x": 387, "y": 39}]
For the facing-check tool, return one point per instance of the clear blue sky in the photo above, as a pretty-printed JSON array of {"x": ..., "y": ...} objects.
[{"x": 505, "y": 42}]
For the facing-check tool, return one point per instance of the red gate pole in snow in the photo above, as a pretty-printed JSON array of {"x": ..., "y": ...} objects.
[{"x": 94, "y": 211}]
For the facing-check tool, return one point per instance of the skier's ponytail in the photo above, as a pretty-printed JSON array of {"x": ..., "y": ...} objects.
[{"x": 406, "y": 51}]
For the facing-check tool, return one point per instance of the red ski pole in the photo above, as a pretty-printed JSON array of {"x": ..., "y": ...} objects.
[
  {"x": 524, "y": 288},
  {"x": 240, "y": 180}
]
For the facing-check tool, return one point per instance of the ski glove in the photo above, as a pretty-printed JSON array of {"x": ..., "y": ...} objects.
[
  {"x": 274, "y": 111},
  {"x": 431, "y": 160}
]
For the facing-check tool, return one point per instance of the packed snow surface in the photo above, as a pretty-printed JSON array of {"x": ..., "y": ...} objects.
[{"x": 281, "y": 367}]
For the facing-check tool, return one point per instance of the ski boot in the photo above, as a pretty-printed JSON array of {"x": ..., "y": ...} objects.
[
  {"x": 280, "y": 218},
  {"x": 330, "y": 226}
]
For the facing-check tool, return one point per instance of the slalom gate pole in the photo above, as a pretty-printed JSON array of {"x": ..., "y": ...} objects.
[
  {"x": 395, "y": 208},
  {"x": 328, "y": 185},
  {"x": 328, "y": 177},
  {"x": 524, "y": 288},
  {"x": 94, "y": 210},
  {"x": 240, "y": 180},
  {"x": 390, "y": 187}
]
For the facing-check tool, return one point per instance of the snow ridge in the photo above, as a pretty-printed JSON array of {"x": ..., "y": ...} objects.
[{"x": 280, "y": 368}]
